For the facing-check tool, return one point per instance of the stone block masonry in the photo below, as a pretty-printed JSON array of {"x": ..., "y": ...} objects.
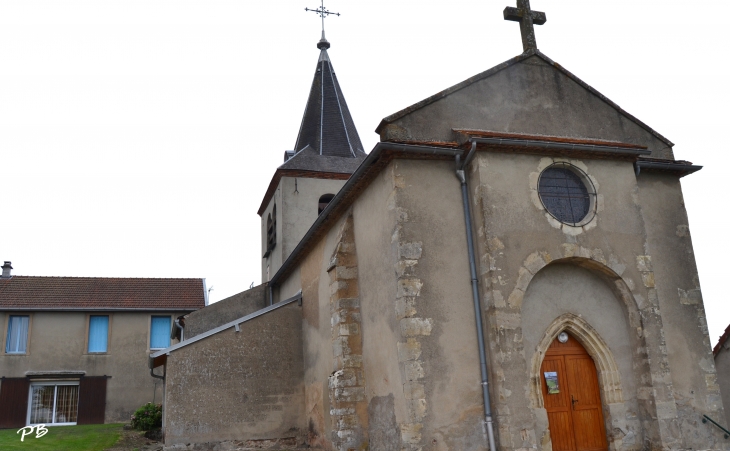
[
  {"x": 347, "y": 382},
  {"x": 412, "y": 327}
]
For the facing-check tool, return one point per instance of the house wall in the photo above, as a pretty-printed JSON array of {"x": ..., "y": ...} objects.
[
  {"x": 243, "y": 385},
  {"x": 225, "y": 311},
  {"x": 722, "y": 364},
  {"x": 58, "y": 342}
]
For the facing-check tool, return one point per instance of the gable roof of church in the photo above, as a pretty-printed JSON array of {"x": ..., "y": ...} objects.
[
  {"x": 327, "y": 126},
  {"x": 527, "y": 54}
]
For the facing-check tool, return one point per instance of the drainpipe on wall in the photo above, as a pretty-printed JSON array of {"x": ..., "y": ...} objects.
[
  {"x": 164, "y": 407},
  {"x": 488, "y": 422}
]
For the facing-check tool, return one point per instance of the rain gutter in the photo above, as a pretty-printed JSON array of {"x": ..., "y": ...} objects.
[
  {"x": 682, "y": 169},
  {"x": 488, "y": 421}
]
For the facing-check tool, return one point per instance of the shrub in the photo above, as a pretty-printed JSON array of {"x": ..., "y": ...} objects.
[{"x": 147, "y": 417}]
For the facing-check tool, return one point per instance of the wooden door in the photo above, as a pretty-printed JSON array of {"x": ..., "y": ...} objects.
[{"x": 575, "y": 413}]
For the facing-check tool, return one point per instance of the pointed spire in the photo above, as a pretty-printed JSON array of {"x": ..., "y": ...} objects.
[{"x": 327, "y": 126}]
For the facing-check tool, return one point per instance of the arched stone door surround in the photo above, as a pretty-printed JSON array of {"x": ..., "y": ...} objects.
[
  {"x": 608, "y": 373},
  {"x": 609, "y": 377}
]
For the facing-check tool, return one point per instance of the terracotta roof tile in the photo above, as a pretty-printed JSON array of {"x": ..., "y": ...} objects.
[
  {"x": 721, "y": 341},
  {"x": 52, "y": 293}
]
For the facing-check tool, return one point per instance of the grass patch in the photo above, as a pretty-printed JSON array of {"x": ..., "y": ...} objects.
[{"x": 92, "y": 437}]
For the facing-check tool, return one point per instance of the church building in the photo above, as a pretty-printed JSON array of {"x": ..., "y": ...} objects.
[{"x": 510, "y": 268}]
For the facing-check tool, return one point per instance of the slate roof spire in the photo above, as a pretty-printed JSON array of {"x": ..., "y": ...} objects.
[{"x": 327, "y": 126}]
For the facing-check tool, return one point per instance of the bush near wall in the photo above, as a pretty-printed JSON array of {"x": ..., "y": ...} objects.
[{"x": 147, "y": 417}]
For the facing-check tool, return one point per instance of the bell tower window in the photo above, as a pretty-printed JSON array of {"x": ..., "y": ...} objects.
[
  {"x": 323, "y": 202},
  {"x": 271, "y": 232}
]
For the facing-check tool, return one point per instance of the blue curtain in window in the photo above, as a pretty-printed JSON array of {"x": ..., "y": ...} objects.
[
  {"x": 17, "y": 339},
  {"x": 160, "y": 333},
  {"x": 98, "y": 333}
]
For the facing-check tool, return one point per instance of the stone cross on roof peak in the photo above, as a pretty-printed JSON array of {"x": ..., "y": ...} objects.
[{"x": 527, "y": 18}]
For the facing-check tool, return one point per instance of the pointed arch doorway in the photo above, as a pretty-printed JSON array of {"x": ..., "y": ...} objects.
[{"x": 572, "y": 397}]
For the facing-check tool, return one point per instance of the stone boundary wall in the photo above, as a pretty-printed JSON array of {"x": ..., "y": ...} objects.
[
  {"x": 225, "y": 311},
  {"x": 244, "y": 385}
]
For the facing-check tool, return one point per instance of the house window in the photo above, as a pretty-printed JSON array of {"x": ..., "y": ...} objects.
[
  {"x": 53, "y": 403},
  {"x": 98, "y": 333},
  {"x": 16, "y": 341},
  {"x": 160, "y": 332}
]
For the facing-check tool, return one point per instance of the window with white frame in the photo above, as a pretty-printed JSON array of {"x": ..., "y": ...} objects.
[
  {"x": 160, "y": 332},
  {"x": 16, "y": 341},
  {"x": 98, "y": 333},
  {"x": 53, "y": 403}
]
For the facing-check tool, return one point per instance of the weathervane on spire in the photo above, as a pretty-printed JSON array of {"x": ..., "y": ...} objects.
[
  {"x": 526, "y": 17},
  {"x": 323, "y": 12}
]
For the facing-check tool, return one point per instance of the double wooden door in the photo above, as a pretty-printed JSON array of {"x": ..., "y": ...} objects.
[{"x": 575, "y": 412}]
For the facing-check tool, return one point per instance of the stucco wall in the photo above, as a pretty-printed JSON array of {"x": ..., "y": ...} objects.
[
  {"x": 297, "y": 201},
  {"x": 243, "y": 385},
  {"x": 694, "y": 379},
  {"x": 531, "y": 97},
  {"x": 270, "y": 264},
  {"x": 722, "y": 363},
  {"x": 300, "y": 197},
  {"x": 58, "y": 342},
  {"x": 434, "y": 314},
  {"x": 631, "y": 245},
  {"x": 225, "y": 310}
]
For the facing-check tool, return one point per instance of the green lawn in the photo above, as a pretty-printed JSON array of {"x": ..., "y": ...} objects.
[{"x": 95, "y": 437}]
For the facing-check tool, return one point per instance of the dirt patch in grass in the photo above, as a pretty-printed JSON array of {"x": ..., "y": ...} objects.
[{"x": 132, "y": 440}]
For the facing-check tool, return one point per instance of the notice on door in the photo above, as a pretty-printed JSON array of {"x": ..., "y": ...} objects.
[{"x": 551, "y": 380}]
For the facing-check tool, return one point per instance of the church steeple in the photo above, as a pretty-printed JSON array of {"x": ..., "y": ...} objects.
[{"x": 327, "y": 126}]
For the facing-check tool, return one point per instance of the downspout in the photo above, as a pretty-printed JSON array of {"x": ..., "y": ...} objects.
[
  {"x": 164, "y": 406},
  {"x": 475, "y": 294}
]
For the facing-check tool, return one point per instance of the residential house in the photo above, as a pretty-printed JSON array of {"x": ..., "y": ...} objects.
[{"x": 73, "y": 350}]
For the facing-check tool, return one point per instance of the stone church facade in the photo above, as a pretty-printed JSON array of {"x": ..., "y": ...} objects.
[{"x": 365, "y": 335}]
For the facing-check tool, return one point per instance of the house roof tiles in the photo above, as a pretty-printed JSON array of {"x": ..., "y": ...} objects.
[{"x": 90, "y": 293}]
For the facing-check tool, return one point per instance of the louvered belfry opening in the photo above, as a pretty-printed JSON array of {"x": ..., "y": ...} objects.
[
  {"x": 327, "y": 126},
  {"x": 271, "y": 230}
]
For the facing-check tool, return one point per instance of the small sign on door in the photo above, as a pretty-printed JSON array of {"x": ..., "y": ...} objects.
[{"x": 551, "y": 379}]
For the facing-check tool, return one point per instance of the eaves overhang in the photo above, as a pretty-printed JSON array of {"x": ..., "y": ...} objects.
[
  {"x": 551, "y": 145},
  {"x": 676, "y": 167}
]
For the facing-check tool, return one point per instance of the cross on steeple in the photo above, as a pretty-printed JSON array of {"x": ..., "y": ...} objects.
[
  {"x": 322, "y": 12},
  {"x": 526, "y": 17}
]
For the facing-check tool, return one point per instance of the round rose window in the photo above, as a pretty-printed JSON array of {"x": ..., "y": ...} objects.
[{"x": 567, "y": 194}]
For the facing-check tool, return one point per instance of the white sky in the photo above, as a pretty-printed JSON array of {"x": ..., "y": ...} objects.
[{"x": 137, "y": 138}]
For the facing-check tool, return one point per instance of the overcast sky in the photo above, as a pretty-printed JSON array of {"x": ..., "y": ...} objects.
[{"x": 137, "y": 138}]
